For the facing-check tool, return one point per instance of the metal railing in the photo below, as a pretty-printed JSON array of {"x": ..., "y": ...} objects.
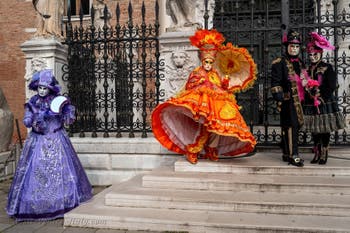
[
  {"x": 258, "y": 26},
  {"x": 113, "y": 73}
]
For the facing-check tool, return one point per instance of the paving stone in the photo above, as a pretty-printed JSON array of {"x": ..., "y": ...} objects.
[
  {"x": 2, "y": 209},
  {"x": 50, "y": 229},
  {"x": 79, "y": 230},
  {"x": 24, "y": 227},
  {"x": 4, "y": 226},
  {"x": 55, "y": 223},
  {"x": 7, "y": 220},
  {"x": 134, "y": 231},
  {"x": 113, "y": 231}
]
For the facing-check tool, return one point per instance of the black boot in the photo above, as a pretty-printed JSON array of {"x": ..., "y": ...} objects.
[
  {"x": 295, "y": 160},
  {"x": 324, "y": 156},
  {"x": 285, "y": 158},
  {"x": 317, "y": 154}
]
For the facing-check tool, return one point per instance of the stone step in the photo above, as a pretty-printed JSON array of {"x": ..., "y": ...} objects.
[
  {"x": 106, "y": 169},
  {"x": 96, "y": 214},
  {"x": 268, "y": 164},
  {"x": 135, "y": 196},
  {"x": 111, "y": 160},
  {"x": 124, "y": 145},
  {"x": 330, "y": 185},
  {"x": 167, "y": 199}
]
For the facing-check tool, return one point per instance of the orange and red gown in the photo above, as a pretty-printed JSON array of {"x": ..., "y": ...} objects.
[{"x": 185, "y": 122}]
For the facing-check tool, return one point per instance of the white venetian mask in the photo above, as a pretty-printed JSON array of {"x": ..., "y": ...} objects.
[{"x": 43, "y": 91}]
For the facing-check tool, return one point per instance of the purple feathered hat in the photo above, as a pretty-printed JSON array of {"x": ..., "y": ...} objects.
[{"x": 44, "y": 78}]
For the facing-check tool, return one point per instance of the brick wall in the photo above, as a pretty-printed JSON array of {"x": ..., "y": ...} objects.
[
  {"x": 136, "y": 6},
  {"x": 17, "y": 17}
]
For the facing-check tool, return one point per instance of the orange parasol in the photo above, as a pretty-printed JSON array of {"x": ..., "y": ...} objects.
[{"x": 238, "y": 65}]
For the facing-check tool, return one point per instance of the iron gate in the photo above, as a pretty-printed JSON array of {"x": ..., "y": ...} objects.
[
  {"x": 258, "y": 26},
  {"x": 113, "y": 73}
]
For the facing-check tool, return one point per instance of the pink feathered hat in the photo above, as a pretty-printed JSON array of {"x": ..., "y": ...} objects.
[{"x": 318, "y": 43}]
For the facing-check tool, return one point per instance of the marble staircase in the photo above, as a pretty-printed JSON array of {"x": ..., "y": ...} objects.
[
  {"x": 252, "y": 194},
  {"x": 113, "y": 160}
]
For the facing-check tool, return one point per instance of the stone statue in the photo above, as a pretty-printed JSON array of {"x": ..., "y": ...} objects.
[
  {"x": 6, "y": 123},
  {"x": 49, "y": 17},
  {"x": 99, "y": 6},
  {"x": 178, "y": 71},
  {"x": 181, "y": 12}
]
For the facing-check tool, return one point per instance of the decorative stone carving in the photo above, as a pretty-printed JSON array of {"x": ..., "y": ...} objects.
[
  {"x": 99, "y": 6},
  {"x": 326, "y": 3},
  {"x": 36, "y": 64},
  {"x": 49, "y": 17},
  {"x": 200, "y": 11},
  {"x": 6, "y": 123},
  {"x": 177, "y": 71},
  {"x": 182, "y": 14}
]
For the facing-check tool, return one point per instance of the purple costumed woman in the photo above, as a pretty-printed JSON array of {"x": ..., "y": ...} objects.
[{"x": 49, "y": 179}]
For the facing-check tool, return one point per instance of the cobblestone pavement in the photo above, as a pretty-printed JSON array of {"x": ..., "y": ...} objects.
[{"x": 8, "y": 225}]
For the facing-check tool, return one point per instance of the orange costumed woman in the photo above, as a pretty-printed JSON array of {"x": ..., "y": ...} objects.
[{"x": 204, "y": 116}]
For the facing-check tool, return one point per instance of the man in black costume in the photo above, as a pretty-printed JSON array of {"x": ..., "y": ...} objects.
[{"x": 286, "y": 78}]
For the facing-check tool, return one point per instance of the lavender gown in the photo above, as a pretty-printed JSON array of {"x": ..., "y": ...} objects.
[{"x": 49, "y": 180}]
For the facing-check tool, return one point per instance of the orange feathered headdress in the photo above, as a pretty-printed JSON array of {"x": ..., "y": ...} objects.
[{"x": 208, "y": 42}]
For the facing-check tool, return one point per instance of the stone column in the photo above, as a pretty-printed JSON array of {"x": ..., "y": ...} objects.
[{"x": 44, "y": 53}]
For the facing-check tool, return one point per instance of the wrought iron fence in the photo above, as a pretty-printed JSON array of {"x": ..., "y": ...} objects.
[
  {"x": 258, "y": 25},
  {"x": 113, "y": 73}
]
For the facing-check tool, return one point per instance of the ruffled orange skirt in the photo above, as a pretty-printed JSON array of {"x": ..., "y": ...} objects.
[{"x": 180, "y": 121}]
